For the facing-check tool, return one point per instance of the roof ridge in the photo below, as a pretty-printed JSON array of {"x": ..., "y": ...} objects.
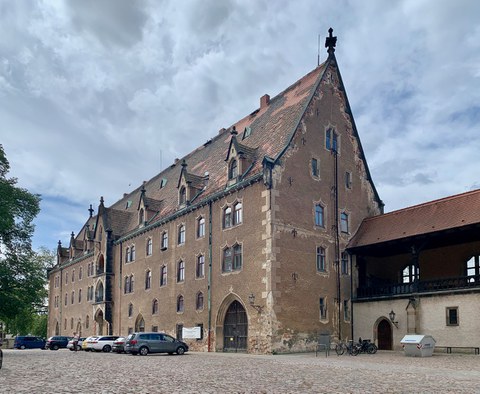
[{"x": 427, "y": 203}]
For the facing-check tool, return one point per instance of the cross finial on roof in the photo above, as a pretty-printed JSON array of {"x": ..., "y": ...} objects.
[
  {"x": 233, "y": 131},
  {"x": 101, "y": 200},
  {"x": 330, "y": 42},
  {"x": 90, "y": 210},
  {"x": 184, "y": 163}
]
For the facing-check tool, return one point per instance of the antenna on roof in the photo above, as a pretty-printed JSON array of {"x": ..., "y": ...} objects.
[{"x": 318, "y": 51}]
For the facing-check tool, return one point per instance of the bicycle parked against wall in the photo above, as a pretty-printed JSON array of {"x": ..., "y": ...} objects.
[
  {"x": 366, "y": 346},
  {"x": 350, "y": 347}
]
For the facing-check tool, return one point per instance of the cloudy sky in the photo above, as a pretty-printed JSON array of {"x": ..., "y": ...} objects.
[{"x": 98, "y": 95}]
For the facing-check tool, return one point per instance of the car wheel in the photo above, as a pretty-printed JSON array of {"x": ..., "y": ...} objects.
[
  {"x": 180, "y": 350},
  {"x": 143, "y": 351},
  {"x": 22, "y": 347},
  {"x": 55, "y": 347},
  {"x": 107, "y": 348}
]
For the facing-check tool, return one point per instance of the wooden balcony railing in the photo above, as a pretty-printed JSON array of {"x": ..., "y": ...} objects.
[{"x": 421, "y": 286}]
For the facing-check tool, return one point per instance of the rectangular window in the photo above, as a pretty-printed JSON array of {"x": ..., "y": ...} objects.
[
  {"x": 323, "y": 308},
  {"x": 320, "y": 259},
  {"x": 319, "y": 215},
  {"x": 201, "y": 331},
  {"x": 181, "y": 235},
  {"x": 346, "y": 310},
  {"x": 237, "y": 257},
  {"x": 201, "y": 228},
  {"x": 315, "y": 168},
  {"x": 452, "y": 316},
  {"x": 227, "y": 217},
  {"x": 181, "y": 272},
  {"x": 348, "y": 180},
  {"x": 345, "y": 263},
  {"x": 149, "y": 247},
  {"x": 154, "y": 328},
  {"x": 163, "y": 276},
  {"x": 331, "y": 140}
]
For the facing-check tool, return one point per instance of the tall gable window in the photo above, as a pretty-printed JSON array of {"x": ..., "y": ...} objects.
[
  {"x": 319, "y": 216},
  {"x": 233, "y": 170},
  {"x": 149, "y": 247},
  {"x": 141, "y": 217},
  {"x": 321, "y": 266},
  {"x": 344, "y": 222},
  {"x": 163, "y": 275},
  {"x": 181, "y": 234},
  {"x": 182, "y": 197},
  {"x": 200, "y": 227},
  {"x": 331, "y": 140}
]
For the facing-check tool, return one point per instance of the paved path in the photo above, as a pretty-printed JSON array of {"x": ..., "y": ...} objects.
[{"x": 44, "y": 371}]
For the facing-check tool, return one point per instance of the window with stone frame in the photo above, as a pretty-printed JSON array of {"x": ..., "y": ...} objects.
[
  {"x": 452, "y": 316},
  {"x": 132, "y": 253},
  {"x": 181, "y": 271},
  {"x": 182, "y": 195},
  {"x": 237, "y": 257},
  {"x": 163, "y": 275},
  {"x": 319, "y": 216},
  {"x": 321, "y": 261},
  {"x": 346, "y": 310},
  {"x": 315, "y": 168},
  {"x": 73, "y": 275},
  {"x": 322, "y": 308},
  {"x": 141, "y": 217},
  {"x": 227, "y": 217},
  {"x": 200, "y": 269},
  {"x": 127, "y": 255},
  {"x": 237, "y": 213},
  {"x": 164, "y": 244},
  {"x": 232, "y": 258},
  {"x": 348, "y": 180},
  {"x": 80, "y": 273},
  {"x": 227, "y": 260},
  {"x": 79, "y": 296},
  {"x": 181, "y": 234},
  {"x": 331, "y": 140},
  {"x": 130, "y": 310},
  {"x": 72, "y": 301},
  {"x": 149, "y": 247},
  {"x": 201, "y": 227},
  {"x": 344, "y": 222}
]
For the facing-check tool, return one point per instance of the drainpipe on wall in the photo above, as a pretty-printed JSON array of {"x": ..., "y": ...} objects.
[
  {"x": 120, "y": 281},
  {"x": 337, "y": 243},
  {"x": 351, "y": 295},
  {"x": 209, "y": 280}
]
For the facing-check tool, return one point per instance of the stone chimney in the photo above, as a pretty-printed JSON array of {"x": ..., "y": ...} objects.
[{"x": 264, "y": 101}]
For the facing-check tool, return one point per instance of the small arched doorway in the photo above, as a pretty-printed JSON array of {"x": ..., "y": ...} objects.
[
  {"x": 385, "y": 336},
  {"x": 235, "y": 328},
  {"x": 99, "y": 322},
  {"x": 140, "y": 324}
]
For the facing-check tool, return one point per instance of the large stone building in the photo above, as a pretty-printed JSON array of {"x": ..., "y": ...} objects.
[{"x": 245, "y": 237}]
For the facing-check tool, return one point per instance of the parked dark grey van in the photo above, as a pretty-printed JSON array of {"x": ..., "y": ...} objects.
[
  {"x": 154, "y": 342},
  {"x": 29, "y": 342}
]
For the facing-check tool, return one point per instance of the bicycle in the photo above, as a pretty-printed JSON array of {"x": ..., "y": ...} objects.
[
  {"x": 350, "y": 347},
  {"x": 365, "y": 346}
]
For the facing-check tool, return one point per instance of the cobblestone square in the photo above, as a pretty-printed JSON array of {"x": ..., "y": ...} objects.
[{"x": 37, "y": 371}]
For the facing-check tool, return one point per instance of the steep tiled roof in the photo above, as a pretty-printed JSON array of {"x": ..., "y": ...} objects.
[
  {"x": 443, "y": 214},
  {"x": 271, "y": 128}
]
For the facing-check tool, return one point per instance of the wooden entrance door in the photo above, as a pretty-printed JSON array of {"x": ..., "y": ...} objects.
[
  {"x": 235, "y": 328},
  {"x": 385, "y": 337}
]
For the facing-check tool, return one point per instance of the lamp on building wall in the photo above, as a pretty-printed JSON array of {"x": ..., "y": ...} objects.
[
  {"x": 251, "y": 301},
  {"x": 391, "y": 315}
]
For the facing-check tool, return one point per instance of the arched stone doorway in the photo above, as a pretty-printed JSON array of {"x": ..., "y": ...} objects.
[
  {"x": 384, "y": 335},
  {"x": 99, "y": 322},
  {"x": 235, "y": 328},
  {"x": 140, "y": 324}
]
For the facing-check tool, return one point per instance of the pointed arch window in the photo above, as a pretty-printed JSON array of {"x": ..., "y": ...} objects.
[
  {"x": 163, "y": 275},
  {"x": 227, "y": 217},
  {"x": 181, "y": 271},
  {"x": 130, "y": 310},
  {"x": 200, "y": 227},
  {"x": 149, "y": 247},
  {"x": 199, "y": 301},
  {"x": 155, "y": 307},
  {"x": 233, "y": 170},
  {"x": 180, "y": 305},
  {"x": 79, "y": 296},
  {"x": 127, "y": 255},
  {"x": 331, "y": 140},
  {"x": 181, "y": 234},
  {"x": 99, "y": 292},
  {"x": 132, "y": 253},
  {"x": 164, "y": 241},
  {"x": 87, "y": 322},
  {"x": 200, "y": 269},
  {"x": 237, "y": 213},
  {"x": 148, "y": 280}
]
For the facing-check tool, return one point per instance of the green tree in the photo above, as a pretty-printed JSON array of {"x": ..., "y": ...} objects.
[{"x": 22, "y": 275}]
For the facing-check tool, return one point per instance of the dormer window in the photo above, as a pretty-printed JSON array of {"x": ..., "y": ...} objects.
[
  {"x": 182, "y": 198},
  {"x": 233, "y": 170},
  {"x": 141, "y": 216}
]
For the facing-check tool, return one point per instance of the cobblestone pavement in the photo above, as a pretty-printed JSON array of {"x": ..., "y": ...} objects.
[{"x": 45, "y": 371}]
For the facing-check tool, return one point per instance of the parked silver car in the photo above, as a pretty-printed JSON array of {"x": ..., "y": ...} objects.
[{"x": 154, "y": 342}]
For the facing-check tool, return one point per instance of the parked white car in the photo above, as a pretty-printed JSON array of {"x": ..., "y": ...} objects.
[
  {"x": 103, "y": 344},
  {"x": 87, "y": 343},
  {"x": 79, "y": 344}
]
